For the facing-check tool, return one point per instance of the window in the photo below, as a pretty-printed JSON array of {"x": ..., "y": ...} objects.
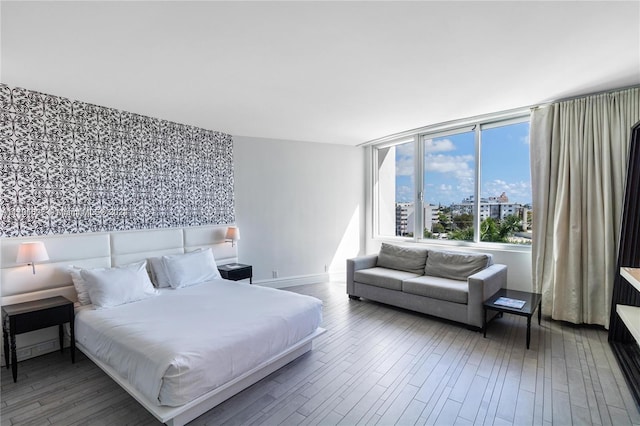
[
  {"x": 505, "y": 188},
  {"x": 448, "y": 185},
  {"x": 470, "y": 183}
]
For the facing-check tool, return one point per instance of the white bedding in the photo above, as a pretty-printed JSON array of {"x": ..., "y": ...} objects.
[{"x": 183, "y": 343}]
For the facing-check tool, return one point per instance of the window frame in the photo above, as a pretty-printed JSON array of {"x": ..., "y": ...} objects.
[{"x": 417, "y": 136}]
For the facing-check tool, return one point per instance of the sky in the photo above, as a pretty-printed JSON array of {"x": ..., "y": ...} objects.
[{"x": 450, "y": 163}]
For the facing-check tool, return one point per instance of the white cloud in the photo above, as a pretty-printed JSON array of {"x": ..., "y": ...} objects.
[
  {"x": 404, "y": 167},
  {"x": 525, "y": 139},
  {"x": 458, "y": 175},
  {"x": 465, "y": 188},
  {"x": 519, "y": 192},
  {"x": 404, "y": 193},
  {"x": 404, "y": 150},
  {"x": 457, "y": 165},
  {"x": 438, "y": 145},
  {"x": 404, "y": 159}
]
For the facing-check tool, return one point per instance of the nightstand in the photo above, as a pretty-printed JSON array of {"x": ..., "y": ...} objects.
[
  {"x": 29, "y": 316},
  {"x": 236, "y": 272}
]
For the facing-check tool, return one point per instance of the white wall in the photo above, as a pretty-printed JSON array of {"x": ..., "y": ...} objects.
[{"x": 299, "y": 207}]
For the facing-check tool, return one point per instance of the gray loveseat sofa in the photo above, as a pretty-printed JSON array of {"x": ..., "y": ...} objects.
[{"x": 446, "y": 284}]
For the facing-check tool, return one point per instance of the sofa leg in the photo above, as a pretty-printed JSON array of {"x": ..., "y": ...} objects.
[{"x": 352, "y": 297}]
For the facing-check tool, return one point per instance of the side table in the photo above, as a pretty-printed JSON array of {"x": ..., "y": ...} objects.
[
  {"x": 236, "y": 272},
  {"x": 29, "y": 316},
  {"x": 532, "y": 301}
]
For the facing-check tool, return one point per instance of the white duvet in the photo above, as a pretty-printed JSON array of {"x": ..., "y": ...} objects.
[{"x": 183, "y": 343}]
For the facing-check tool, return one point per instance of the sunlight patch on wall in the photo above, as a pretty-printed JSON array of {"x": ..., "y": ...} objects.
[{"x": 349, "y": 244}]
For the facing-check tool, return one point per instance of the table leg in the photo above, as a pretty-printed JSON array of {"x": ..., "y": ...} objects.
[
  {"x": 14, "y": 358},
  {"x": 61, "y": 338},
  {"x": 539, "y": 312},
  {"x": 73, "y": 340},
  {"x": 5, "y": 338},
  {"x": 484, "y": 320},
  {"x": 528, "y": 330}
]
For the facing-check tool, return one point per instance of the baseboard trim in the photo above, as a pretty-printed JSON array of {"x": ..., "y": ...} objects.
[
  {"x": 37, "y": 349},
  {"x": 294, "y": 281}
]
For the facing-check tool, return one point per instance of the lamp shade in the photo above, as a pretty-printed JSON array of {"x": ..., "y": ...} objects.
[
  {"x": 32, "y": 252},
  {"x": 233, "y": 233}
]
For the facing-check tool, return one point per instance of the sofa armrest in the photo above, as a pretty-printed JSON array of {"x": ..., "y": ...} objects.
[
  {"x": 483, "y": 285},
  {"x": 357, "y": 263}
]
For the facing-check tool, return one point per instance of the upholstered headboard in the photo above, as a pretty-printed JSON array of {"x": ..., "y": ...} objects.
[{"x": 95, "y": 250}]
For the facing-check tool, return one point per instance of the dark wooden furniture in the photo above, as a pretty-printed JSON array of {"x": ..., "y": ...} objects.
[
  {"x": 533, "y": 301},
  {"x": 236, "y": 272},
  {"x": 625, "y": 301},
  {"x": 29, "y": 316}
]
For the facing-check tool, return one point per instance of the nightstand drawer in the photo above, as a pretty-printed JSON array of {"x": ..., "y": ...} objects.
[{"x": 26, "y": 322}]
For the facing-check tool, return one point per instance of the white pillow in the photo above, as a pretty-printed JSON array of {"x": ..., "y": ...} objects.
[
  {"x": 158, "y": 274},
  {"x": 190, "y": 268},
  {"x": 78, "y": 283},
  {"x": 109, "y": 287}
]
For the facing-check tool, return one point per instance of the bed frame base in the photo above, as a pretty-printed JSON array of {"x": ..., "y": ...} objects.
[{"x": 178, "y": 416}]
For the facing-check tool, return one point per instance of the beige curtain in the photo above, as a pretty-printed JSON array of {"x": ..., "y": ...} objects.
[{"x": 579, "y": 154}]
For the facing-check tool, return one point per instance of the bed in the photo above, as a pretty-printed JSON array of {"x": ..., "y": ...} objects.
[{"x": 185, "y": 350}]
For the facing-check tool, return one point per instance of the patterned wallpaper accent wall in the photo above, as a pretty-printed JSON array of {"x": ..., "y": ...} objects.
[{"x": 70, "y": 167}]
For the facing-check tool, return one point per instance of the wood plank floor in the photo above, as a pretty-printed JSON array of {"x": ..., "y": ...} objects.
[{"x": 375, "y": 365}]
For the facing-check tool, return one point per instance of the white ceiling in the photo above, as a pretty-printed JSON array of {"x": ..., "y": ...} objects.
[{"x": 332, "y": 72}]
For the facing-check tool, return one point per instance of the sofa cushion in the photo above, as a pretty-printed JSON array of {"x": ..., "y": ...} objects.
[
  {"x": 410, "y": 259},
  {"x": 383, "y": 277},
  {"x": 455, "y": 265},
  {"x": 437, "y": 288}
]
